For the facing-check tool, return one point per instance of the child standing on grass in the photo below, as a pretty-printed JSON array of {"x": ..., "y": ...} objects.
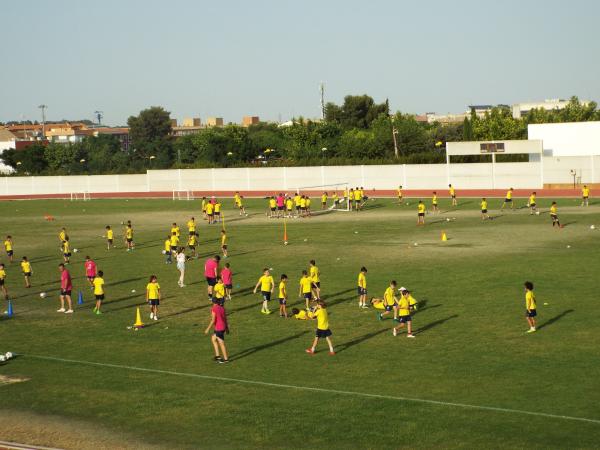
[
  {"x": 404, "y": 315},
  {"x": 181, "y": 266},
  {"x": 109, "y": 237},
  {"x": 66, "y": 286},
  {"x": 532, "y": 203},
  {"x": 192, "y": 243},
  {"x": 66, "y": 249},
  {"x": 530, "y": 306},
  {"x": 129, "y": 237},
  {"x": 452, "y": 193},
  {"x": 8, "y": 246},
  {"x": 224, "y": 243},
  {"x": 167, "y": 250},
  {"x": 227, "y": 277},
  {"x": 26, "y": 269},
  {"x": 434, "y": 203},
  {"x": 315, "y": 278},
  {"x": 323, "y": 330},
  {"x": 283, "y": 296},
  {"x": 219, "y": 291},
  {"x": 306, "y": 288},
  {"x": 421, "y": 213},
  {"x": 153, "y": 296},
  {"x": 90, "y": 270},
  {"x": 362, "y": 288},
  {"x": 554, "y": 215},
  {"x": 484, "y": 209},
  {"x": 3, "y": 281},
  {"x": 98, "y": 291},
  {"x": 218, "y": 321},
  {"x": 266, "y": 284}
]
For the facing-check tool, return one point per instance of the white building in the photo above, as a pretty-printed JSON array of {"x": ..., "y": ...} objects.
[
  {"x": 7, "y": 141},
  {"x": 521, "y": 109}
]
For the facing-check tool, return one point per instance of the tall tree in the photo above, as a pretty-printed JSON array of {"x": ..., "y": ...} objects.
[{"x": 150, "y": 135}]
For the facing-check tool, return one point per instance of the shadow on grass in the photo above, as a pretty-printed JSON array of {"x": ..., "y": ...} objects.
[
  {"x": 128, "y": 280},
  {"x": 569, "y": 223},
  {"x": 187, "y": 310},
  {"x": 496, "y": 217},
  {"x": 360, "y": 339},
  {"x": 555, "y": 319},
  {"x": 423, "y": 305},
  {"x": 431, "y": 325},
  {"x": 268, "y": 345},
  {"x": 345, "y": 291}
]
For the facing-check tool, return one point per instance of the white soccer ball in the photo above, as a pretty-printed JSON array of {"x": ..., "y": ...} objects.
[
  {"x": 285, "y": 243},
  {"x": 447, "y": 219},
  {"x": 2, "y": 358},
  {"x": 592, "y": 227},
  {"x": 42, "y": 294},
  {"x": 8, "y": 355},
  {"x": 416, "y": 244},
  {"x": 568, "y": 246},
  {"x": 75, "y": 250},
  {"x": 133, "y": 291},
  {"x": 164, "y": 252}
]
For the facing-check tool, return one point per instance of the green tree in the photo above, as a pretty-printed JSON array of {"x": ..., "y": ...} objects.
[
  {"x": 358, "y": 111},
  {"x": 28, "y": 161},
  {"x": 150, "y": 136}
]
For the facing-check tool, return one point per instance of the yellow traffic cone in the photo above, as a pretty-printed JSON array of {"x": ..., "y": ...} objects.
[
  {"x": 138, "y": 319},
  {"x": 444, "y": 237}
]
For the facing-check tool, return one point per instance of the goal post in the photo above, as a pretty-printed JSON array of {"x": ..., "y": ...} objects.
[
  {"x": 84, "y": 196},
  {"x": 341, "y": 189},
  {"x": 183, "y": 194}
]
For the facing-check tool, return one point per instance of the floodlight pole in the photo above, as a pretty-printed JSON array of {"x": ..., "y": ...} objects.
[{"x": 43, "y": 108}]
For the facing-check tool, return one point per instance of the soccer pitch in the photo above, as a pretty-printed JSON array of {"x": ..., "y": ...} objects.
[{"x": 472, "y": 377}]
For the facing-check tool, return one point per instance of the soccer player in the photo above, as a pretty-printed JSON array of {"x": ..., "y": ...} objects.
[
  {"x": 3, "y": 281},
  {"x": 280, "y": 205},
  {"x": 362, "y": 288},
  {"x": 180, "y": 258},
  {"x": 219, "y": 296},
  {"x": 129, "y": 237},
  {"x": 236, "y": 199},
  {"x": 289, "y": 206},
  {"x": 272, "y": 207},
  {"x": 305, "y": 288},
  {"x": 110, "y": 236},
  {"x": 315, "y": 278},
  {"x": 452, "y": 193},
  {"x": 324, "y": 200},
  {"x": 508, "y": 199},
  {"x": 308, "y": 210},
  {"x": 224, "y": 243},
  {"x": 336, "y": 199},
  {"x": 210, "y": 212},
  {"x": 192, "y": 243},
  {"x": 350, "y": 198},
  {"x": 585, "y": 195},
  {"x": 399, "y": 193},
  {"x": 66, "y": 286},
  {"x": 530, "y": 306},
  {"x": 266, "y": 284},
  {"x": 8, "y": 246},
  {"x": 26, "y": 269},
  {"x": 211, "y": 269},
  {"x": 90, "y": 270},
  {"x": 241, "y": 206},
  {"x": 66, "y": 249},
  {"x": 532, "y": 204},
  {"x": 174, "y": 242},
  {"x": 554, "y": 215},
  {"x": 175, "y": 229},
  {"x": 204, "y": 216},
  {"x": 218, "y": 320},
  {"x": 217, "y": 211},
  {"x": 390, "y": 302},
  {"x": 412, "y": 303},
  {"x": 323, "y": 330},
  {"x": 153, "y": 296},
  {"x": 357, "y": 199},
  {"x": 283, "y": 295},
  {"x": 299, "y": 314},
  {"x": 191, "y": 226},
  {"x": 434, "y": 203},
  {"x": 297, "y": 203},
  {"x": 62, "y": 235},
  {"x": 484, "y": 209},
  {"x": 303, "y": 205},
  {"x": 98, "y": 291},
  {"x": 404, "y": 315},
  {"x": 167, "y": 250},
  {"x": 421, "y": 213},
  {"x": 227, "y": 277}
]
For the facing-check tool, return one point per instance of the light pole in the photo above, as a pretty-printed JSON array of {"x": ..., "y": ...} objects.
[
  {"x": 43, "y": 108},
  {"x": 394, "y": 133}
]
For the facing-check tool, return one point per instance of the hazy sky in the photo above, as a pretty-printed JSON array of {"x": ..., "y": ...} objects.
[{"x": 266, "y": 58}]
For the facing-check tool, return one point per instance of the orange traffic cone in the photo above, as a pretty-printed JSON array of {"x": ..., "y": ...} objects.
[
  {"x": 285, "y": 236},
  {"x": 444, "y": 237},
  {"x": 138, "y": 319}
]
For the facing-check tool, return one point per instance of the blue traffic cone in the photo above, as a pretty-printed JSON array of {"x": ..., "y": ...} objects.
[
  {"x": 80, "y": 298},
  {"x": 9, "y": 311}
]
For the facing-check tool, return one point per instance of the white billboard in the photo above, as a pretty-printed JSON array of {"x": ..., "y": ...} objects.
[{"x": 567, "y": 139}]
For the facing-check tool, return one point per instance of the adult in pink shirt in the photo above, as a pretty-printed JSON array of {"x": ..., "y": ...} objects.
[
  {"x": 218, "y": 320},
  {"x": 227, "y": 277},
  {"x": 280, "y": 204},
  {"x": 66, "y": 286},
  {"x": 90, "y": 270},
  {"x": 211, "y": 269}
]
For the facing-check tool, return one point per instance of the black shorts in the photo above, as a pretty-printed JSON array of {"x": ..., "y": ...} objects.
[
  {"x": 273, "y": 209},
  {"x": 282, "y": 301},
  {"x": 323, "y": 333},
  {"x": 554, "y": 216},
  {"x": 224, "y": 246},
  {"x": 508, "y": 200},
  {"x": 217, "y": 213},
  {"x": 303, "y": 208},
  {"x": 531, "y": 313},
  {"x": 323, "y": 203},
  {"x": 389, "y": 307},
  {"x": 484, "y": 211},
  {"x": 2, "y": 282},
  {"x": 9, "y": 252},
  {"x": 173, "y": 248},
  {"x": 307, "y": 295},
  {"x": 454, "y": 196},
  {"x": 361, "y": 290},
  {"x": 421, "y": 214},
  {"x": 211, "y": 214},
  {"x": 316, "y": 285},
  {"x": 65, "y": 292},
  {"x": 154, "y": 301},
  {"x": 27, "y": 274},
  {"x": 110, "y": 241},
  {"x": 405, "y": 319},
  {"x": 229, "y": 286},
  {"x": 265, "y": 295},
  {"x": 211, "y": 281},
  {"x": 68, "y": 255},
  {"x": 220, "y": 334},
  {"x": 289, "y": 209},
  {"x": 297, "y": 207},
  {"x": 585, "y": 197},
  {"x": 192, "y": 247},
  {"x": 130, "y": 240},
  {"x": 434, "y": 205},
  {"x": 532, "y": 205},
  {"x": 99, "y": 296},
  {"x": 280, "y": 208}
]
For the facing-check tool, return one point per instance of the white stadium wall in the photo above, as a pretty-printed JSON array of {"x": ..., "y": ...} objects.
[
  {"x": 550, "y": 170},
  {"x": 567, "y": 139}
]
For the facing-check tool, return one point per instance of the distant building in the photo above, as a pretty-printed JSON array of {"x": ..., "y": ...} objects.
[
  {"x": 121, "y": 133},
  {"x": 250, "y": 120},
  {"x": 173, "y": 123},
  {"x": 521, "y": 109},
  {"x": 214, "y": 122},
  {"x": 191, "y": 122}
]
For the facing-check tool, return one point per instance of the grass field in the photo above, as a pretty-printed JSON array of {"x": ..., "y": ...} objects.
[{"x": 472, "y": 378}]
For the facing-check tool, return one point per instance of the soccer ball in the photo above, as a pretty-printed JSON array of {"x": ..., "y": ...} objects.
[
  {"x": 447, "y": 219},
  {"x": 416, "y": 244},
  {"x": 75, "y": 250},
  {"x": 592, "y": 227},
  {"x": 537, "y": 213},
  {"x": 164, "y": 252},
  {"x": 133, "y": 291},
  {"x": 42, "y": 294},
  {"x": 8, "y": 355},
  {"x": 2, "y": 358},
  {"x": 285, "y": 243}
]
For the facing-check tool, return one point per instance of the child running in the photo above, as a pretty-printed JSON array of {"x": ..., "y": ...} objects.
[
  {"x": 218, "y": 321},
  {"x": 98, "y": 292},
  {"x": 532, "y": 204},
  {"x": 192, "y": 244},
  {"x": 323, "y": 330},
  {"x": 26, "y": 269},
  {"x": 362, "y": 288},
  {"x": 129, "y": 237},
  {"x": 219, "y": 291},
  {"x": 266, "y": 284},
  {"x": 554, "y": 215},
  {"x": 167, "y": 250},
  {"x": 404, "y": 315},
  {"x": 8, "y": 246},
  {"x": 283, "y": 296},
  {"x": 508, "y": 200},
  {"x": 153, "y": 296},
  {"x": 530, "y": 306},
  {"x": 224, "y": 242},
  {"x": 390, "y": 302},
  {"x": 110, "y": 236},
  {"x": 484, "y": 209}
]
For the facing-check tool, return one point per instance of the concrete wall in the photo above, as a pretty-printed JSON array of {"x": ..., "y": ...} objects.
[
  {"x": 550, "y": 170},
  {"x": 567, "y": 139}
]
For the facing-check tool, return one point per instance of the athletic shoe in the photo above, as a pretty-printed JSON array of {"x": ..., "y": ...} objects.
[
  {"x": 365, "y": 307},
  {"x": 394, "y": 332},
  {"x": 262, "y": 311},
  {"x": 310, "y": 351},
  {"x": 410, "y": 335},
  {"x": 380, "y": 316},
  {"x": 531, "y": 330},
  {"x": 155, "y": 317},
  {"x": 217, "y": 358},
  {"x": 223, "y": 361},
  {"x": 61, "y": 310},
  {"x": 98, "y": 312},
  {"x": 268, "y": 311},
  {"x": 151, "y": 316},
  {"x": 331, "y": 353},
  {"x": 69, "y": 311}
]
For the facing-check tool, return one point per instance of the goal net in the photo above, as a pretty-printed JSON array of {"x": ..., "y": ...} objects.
[
  {"x": 85, "y": 196},
  {"x": 183, "y": 195},
  {"x": 337, "y": 196}
]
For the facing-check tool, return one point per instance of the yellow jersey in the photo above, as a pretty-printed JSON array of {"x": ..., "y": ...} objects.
[
  {"x": 203, "y": 205},
  {"x": 2, "y": 274},
  {"x": 403, "y": 306},
  {"x": 266, "y": 283},
  {"x": 357, "y": 195},
  {"x": 307, "y": 202},
  {"x": 174, "y": 240},
  {"x": 297, "y": 200},
  {"x": 411, "y": 302},
  {"x": 168, "y": 245},
  {"x": 509, "y": 194},
  {"x": 210, "y": 208},
  {"x": 314, "y": 274},
  {"x": 217, "y": 207},
  {"x": 530, "y": 300},
  {"x": 322, "y": 319},
  {"x": 306, "y": 285},
  {"x": 301, "y": 315},
  {"x": 110, "y": 234},
  {"x": 129, "y": 233},
  {"x": 434, "y": 200},
  {"x": 191, "y": 226},
  {"x": 452, "y": 191},
  {"x": 62, "y": 235},
  {"x": 282, "y": 290},
  {"x": 153, "y": 289},
  {"x": 98, "y": 286},
  {"x": 192, "y": 240},
  {"x": 66, "y": 247},
  {"x": 236, "y": 199},
  {"x": 272, "y": 203},
  {"x": 289, "y": 204},
  {"x": 223, "y": 239},
  {"x": 219, "y": 290},
  {"x": 175, "y": 230},
  {"x": 483, "y": 205},
  {"x": 8, "y": 245},
  {"x": 389, "y": 297},
  {"x": 532, "y": 199},
  {"x": 553, "y": 210},
  {"x": 362, "y": 280},
  {"x": 399, "y": 193},
  {"x": 323, "y": 198},
  {"x": 585, "y": 192},
  {"x": 26, "y": 266},
  {"x": 421, "y": 208}
]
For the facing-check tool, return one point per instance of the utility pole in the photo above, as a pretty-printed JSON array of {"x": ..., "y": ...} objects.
[
  {"x": 99, "y": 115},
  {"x": 394, "y": 133},
  {"x": 43, "y": 108},
  {"x": 322, "y": 91}
]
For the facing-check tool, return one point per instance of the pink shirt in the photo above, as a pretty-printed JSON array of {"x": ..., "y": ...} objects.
[
  {"x": 280, "y": 200},
  {"x": 90, "y": 268},
  {"x": 226, "y": 276},
  {"x": 220, "y": 317},
  {"x": 65, "y": 280},
  {"x": 210, "y": 268}
]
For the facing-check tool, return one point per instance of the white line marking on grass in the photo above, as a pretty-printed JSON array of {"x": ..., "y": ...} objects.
[{"x": 316, "y": 389}]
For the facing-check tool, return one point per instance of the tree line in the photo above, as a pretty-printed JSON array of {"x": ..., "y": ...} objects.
[{"x": 359, "y": 131}]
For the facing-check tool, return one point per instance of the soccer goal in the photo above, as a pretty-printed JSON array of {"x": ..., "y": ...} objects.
[
  {"x": 342, "y": 203},
  {"x": 183, "y": 195},
  {"x": 85, "y": 196}
]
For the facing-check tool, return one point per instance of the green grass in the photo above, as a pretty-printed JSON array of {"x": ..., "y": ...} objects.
[{"x": 471, "y": 347}]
